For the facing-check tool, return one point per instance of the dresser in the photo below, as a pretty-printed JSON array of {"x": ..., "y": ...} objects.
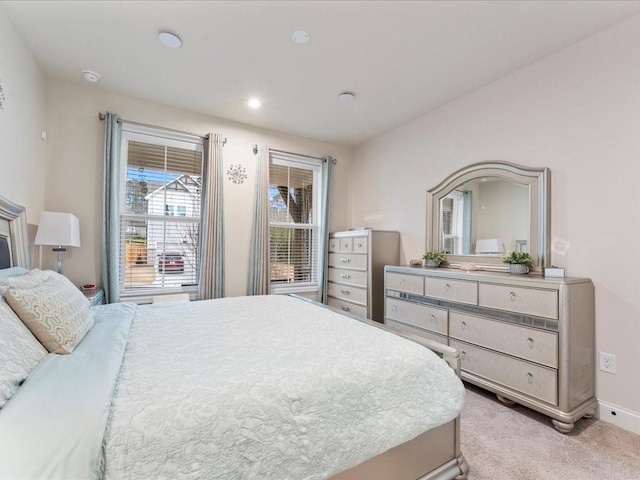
[
  {"x": 527, "y": 338},
  {"x": 356, "y": 270}
]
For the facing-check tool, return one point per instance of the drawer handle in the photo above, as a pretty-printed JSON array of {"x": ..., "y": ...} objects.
[
  {"x": 433, "y": 318},
  {"x": 530, "y": 378},
  {"x": 447, "y": 287},
  {"x": 346, "y": 309},
  {"x": 359, "y": 245},
  {"x": 345, "y": 292},
  {"x": 345, "y": 275},
  {"x": 394, "y": 308},
  {"x": 464, "y": 325},
  {"x": 463, "y": 355},
  {"x": 530, "y": 342},
  {"x": 403, "y": 281},
  {"x": 512, "y": 295},
  {"x": 345, "y": 260}
]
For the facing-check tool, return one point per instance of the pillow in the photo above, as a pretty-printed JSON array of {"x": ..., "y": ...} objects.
[
  {"x": 20, "y": 352},
  {"x": 12, "y": 272},
  {"x": 29, "y": 280},
  {"x": 55, "y": 311}
]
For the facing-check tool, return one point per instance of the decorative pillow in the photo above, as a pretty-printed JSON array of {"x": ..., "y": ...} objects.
[
  {"x": 29, "y": 280},
  {"x": 12, "y": 272},
  {"x": 55, "y": 311},
  {"x": 20, "y": 352}
]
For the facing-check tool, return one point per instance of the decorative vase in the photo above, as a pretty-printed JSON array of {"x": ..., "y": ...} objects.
[
  {"x": 428, "y": 262},
  {"x": 518, "y": 269}
]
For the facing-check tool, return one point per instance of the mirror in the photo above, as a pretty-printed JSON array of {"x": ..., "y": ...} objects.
[{"x": 487, "y": 209}]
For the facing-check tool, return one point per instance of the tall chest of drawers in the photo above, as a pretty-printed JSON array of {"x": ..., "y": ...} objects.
[
  {"x": 356, "y": 270},
  {"x": 527, "y": 338}
]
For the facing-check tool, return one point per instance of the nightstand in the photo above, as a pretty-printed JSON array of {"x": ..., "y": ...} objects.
[{"x": 95, "y": 296}]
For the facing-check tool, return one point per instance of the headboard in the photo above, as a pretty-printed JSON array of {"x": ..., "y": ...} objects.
[{"x": 14, "y": 239}]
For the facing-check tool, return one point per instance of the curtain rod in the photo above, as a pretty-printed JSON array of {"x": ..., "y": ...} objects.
[
  {"x": 334, "y": 161},
  {"x": 101, "y": 116}
]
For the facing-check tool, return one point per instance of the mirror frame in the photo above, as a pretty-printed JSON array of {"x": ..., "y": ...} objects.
[{"x": 539, "y": 182}]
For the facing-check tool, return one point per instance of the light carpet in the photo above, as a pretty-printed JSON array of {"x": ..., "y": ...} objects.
[{"x": 502, "y": 443}]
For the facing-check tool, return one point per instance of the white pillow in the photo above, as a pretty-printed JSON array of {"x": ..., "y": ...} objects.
[
  {"x": 29, "y": 280},
  {"x": 20, "y": 352},
  {"x": 55, "y": 311}
]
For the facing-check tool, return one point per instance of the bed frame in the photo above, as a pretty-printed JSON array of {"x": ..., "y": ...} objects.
[{"x": 433, "y": 455}]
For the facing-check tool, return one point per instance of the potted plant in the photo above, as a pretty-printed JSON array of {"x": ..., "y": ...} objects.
[
  {"x": 433, "y": 259},
  {"x": 519, "y": 262}
]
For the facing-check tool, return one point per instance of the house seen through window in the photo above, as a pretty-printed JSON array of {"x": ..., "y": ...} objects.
[
  {"x": 160, "y": 212},
  {"x": 294, "y": 206}
]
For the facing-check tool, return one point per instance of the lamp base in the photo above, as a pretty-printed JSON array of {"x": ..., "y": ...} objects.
[{"x": 60, "y": 251}]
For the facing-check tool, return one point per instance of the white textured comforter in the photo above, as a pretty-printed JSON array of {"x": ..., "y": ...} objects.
[{"x": 240, "y": 388}]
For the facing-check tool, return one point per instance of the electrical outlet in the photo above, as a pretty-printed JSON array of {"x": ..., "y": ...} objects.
[{"x": 607, "y": 362}]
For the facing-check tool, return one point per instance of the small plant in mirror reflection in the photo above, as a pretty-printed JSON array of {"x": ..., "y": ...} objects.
[{"x": 522, "y": 258}]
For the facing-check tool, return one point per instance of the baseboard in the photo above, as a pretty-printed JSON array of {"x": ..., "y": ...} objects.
[{"x": 621, "y": 417}]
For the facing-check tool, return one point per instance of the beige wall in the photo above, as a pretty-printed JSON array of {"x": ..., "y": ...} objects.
[
  {"x": 74, "y": 181},
  {"x": 576, "y": 112},
  {"x": 22, "y": 152}
]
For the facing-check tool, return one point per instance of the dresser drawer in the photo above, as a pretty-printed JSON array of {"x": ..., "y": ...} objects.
[
  {"x": 423, "y": 316},
  {"x": 360, "y": 245},
  {"x": 528, "y": 378},
  {"x": 348, "y": 307},
  {"x": 405, "y": 283},
  {"x": 350, "y": 277},
  {"x": 334, "y": 245},
  {"x": 348, "y": 260},
  {"x": 527, "y": 343},
  {"x": 345, "y": 292},
  {"x": 346, "y": 245},
  {"x": 402, "y": 328},
  {"x": 461, "y": 291},
  {"x": 529, "y": 301}
]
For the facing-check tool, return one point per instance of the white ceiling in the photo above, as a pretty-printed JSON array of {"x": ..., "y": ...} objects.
[{"x": 401, "y": 59}]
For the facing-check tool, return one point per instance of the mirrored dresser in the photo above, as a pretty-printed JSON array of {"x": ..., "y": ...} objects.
[{"x": 527, "y": 338}]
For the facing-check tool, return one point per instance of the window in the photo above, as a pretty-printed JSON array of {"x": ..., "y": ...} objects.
[
  {"x": 159, "y": 211},
  {"x": 294, "y": 221},
  {"x": 452, "y": 213}
]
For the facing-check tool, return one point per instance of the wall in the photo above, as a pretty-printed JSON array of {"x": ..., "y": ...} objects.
[
  {"x": 576, "y": 112},
  {"x": 22, "y": 152},
  {"x": 74, "y": 181}
]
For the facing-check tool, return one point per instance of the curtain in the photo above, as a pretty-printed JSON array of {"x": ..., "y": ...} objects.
[
  {"x": 111, "y": 208},
  {"x": 212, "y": 238},
  {"x": 259, "y": 282},
  {"x": 323, "y": 247},
  {"x": 467, "y": 200}
]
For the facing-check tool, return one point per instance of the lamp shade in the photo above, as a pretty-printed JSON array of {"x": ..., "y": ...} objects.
[
  {"x": 489, "y": 245},
  {"x": 59, "y": 229}
]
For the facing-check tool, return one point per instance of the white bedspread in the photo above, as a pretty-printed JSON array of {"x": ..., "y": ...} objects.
[{"x": 237, "y": 389}]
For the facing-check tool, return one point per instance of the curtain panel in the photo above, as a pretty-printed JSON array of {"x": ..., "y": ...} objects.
[
  {"x": 323, "y": 247},
  {"x": 259, "y": 280},
  {"x": 111, "y": 207},
  {"x": 212, "y": 238}
]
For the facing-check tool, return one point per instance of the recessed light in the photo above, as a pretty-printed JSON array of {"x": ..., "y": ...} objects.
[
  {"x": 169, "y": 39},
  {"x": 90, "y": 76},
  {"x": 346, "y": 97},
  {"x": 254, "y": 103},
  {"x": 300, "y": 36}
]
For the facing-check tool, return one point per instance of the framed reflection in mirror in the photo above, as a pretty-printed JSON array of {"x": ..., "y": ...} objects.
[{"x": 485, "y": 210}]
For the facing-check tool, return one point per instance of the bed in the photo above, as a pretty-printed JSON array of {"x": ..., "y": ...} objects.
[{"x": 265, "y": 387}]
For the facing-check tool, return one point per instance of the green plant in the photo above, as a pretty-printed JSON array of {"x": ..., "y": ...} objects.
[
  {"x": 435, "y": 256},
  {"x": 518, "y": 257}
]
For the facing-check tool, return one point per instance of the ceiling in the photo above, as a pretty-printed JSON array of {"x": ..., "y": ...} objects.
[{"x": 400, "y": 59}]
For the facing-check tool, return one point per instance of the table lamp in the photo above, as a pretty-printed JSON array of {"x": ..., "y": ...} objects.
[{"x": 60, "y": 230}]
